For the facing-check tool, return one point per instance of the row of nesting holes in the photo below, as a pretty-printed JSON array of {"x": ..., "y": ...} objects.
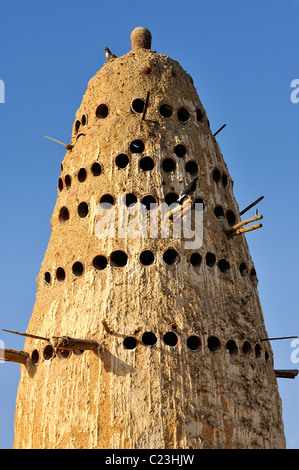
[
  {"x": 149, "y": 202},
  {"x": 137, "y": 106},
  {"x": 149, "y": 339},
  {"x": 171, "y": 257},
  {"x": 146, "y": 164}
]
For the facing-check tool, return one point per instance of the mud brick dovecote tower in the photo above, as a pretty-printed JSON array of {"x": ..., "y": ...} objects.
[{"x": 174, "y": 356}]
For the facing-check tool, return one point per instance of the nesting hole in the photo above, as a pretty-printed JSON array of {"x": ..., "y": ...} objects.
[
  {"x": 171, "y": 198},
  {"x": 149, "y": 339},
  {"x": 68, "y": 181},
  {"x": 194, "y": 343},
  {"x": 48, "y": 352},
  {"x": 60, "y": 184},
  {"x": 219, "y": 212},
  {"x": 149, "y": 202},
  {"x": 199, "y": 115},
  {"x": 118, "y": 259},
  {"x": 130, "y": 200},
  {"x": 168, "y": 164},
  {"x": 82, "y": 175},
  {"x": 122, "y": 160},
  {"x": 246, "y": 348},
  {"x": 84, "y": 120},
  {"x": 231, "y": 218},
  {"x": 243, "y": 269},
  {"x": 77, "y": 269},
  {"x": 210, "y": 260},
  {"x": 102, "y": 111},
  {"x": 47, "y": 278},
  {"x": 258, "y": 351},
  {"x": 96, "y": 169},
  {"x": 130, "y": 342},
  {"x": 180, "y": 150},
  {"x": 170, "y": 257},
  {"x": 107, "y": 201},
  {"x": 137, "y": 146},
  {"x": 100, "y": 262},
  {"x": 253, "y": 276},
  {"x": 60, "y": 274},
  {"x": 224, "y": 180},
  {"x": 138, "y": 105},
  {"x": 83, "y": 210},
  {"x": 62, "y": 354},
  {"x": 170, "y": 339},
  {"x": 223, "y": 265},
  {"x": 64, "y": 215},
  {"x": 213, "y": 344},
  {"x": 165, "y": 110},
  {"x": 35, "y": 357},
  {"x": 77, "y": 125},
  {"x": 147, "y": 257},
  {"x": 195, "y": 260},
  {"x": 199, "y": 205},
  {"x": 191, "y": 167},
  {"x": 232, "y": 347},
  {"x": 146, "y": 163},
  {"x": 183, "y": 115},
  {"x": 216, "y": 175}
]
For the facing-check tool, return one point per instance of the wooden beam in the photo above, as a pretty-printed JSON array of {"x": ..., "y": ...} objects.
[
  {"x": 106, "y": 327},
  {"x": 180, "y": 208},
  {"x": 69, "y": 344},
  {"x": 286, "y": 373},
  {"x": 12, "y": 355},
  {"x": 251, "y": 205},
  {"x": 217, "y": 132},
  {"x": 247, "y": 221},
  {"x": 185, "y": 209},
  {"x": 55, "y": 140},
  {"x": 67, "y": 146},
  {"x": 245, "y": 229},
  {"x": 28, "y": 335},
  {"x": 145, "y": 106},
  {"x": 281, "y": 337}
]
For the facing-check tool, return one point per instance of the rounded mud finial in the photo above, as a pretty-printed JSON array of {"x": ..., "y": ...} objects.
[{"x": 141, "y": 38}]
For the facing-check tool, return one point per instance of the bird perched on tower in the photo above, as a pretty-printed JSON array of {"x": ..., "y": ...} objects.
[
  {"x": 189, "y": 189},
  {"x": 109, "y": 55}
]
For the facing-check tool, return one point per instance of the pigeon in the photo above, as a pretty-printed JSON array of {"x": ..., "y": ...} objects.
[
  {"x": 109, "y": 54},
  {"x": 188, "y": 190}
]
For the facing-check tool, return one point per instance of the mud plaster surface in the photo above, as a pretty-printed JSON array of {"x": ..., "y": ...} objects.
[{"x": 159, "y": 397}]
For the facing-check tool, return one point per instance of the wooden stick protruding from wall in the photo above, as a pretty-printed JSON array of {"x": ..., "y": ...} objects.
[
  {"x": 12, "y": 355},
  {"x": 251, "y": 205},
  {"x": 244, "y": 229},
  {"x": 286, "y": 373},
  {"x": 69, "y": 344}
]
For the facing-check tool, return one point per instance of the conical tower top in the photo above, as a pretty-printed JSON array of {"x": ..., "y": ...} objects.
[{"x": 141, "y": 38}]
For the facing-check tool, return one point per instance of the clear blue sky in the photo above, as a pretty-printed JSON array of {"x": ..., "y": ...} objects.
[{"x": 242, "y": 56}]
